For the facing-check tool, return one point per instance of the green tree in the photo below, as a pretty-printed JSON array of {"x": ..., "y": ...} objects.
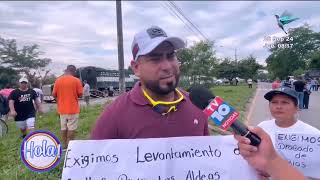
[
  {"x": 185, "y": 58},
  {"x": 50, "y": 79},
  {"x": 228, "y": 69},
  {"x": 262, "y": 75},
  {"x": 282, "y": 63},
  {"x": 315, "y": 61},
  {"x": 198, "y": 62},
  {"x": 300, "y": 45},
  {"x": 26, "y": 59},
  {"x": 248, "y": 67},
  {"x": 8, "y": 77},
  {"x": 38, "y": 78},
  {"x": 298, "y": 72},
  {"x": 129, "y": 70}
]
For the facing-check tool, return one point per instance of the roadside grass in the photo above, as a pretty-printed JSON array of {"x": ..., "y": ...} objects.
[
  {"x": 12, "y": 168},
  {"x": 235, "y": 96}
]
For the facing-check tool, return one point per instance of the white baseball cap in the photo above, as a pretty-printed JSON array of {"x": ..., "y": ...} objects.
[
  {"x": 23, "y": 80},
  {"x": 147, "y": 40}
]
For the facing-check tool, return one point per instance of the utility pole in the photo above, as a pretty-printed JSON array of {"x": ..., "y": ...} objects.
[
  {"x": 80, "y": 74},
  {"x": 235, "y": 54},
  {"x": 122, "y": 86}
]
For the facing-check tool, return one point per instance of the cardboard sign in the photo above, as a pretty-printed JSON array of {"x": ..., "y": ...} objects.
[
  {"x": 301, "y": 150},
  {"x": 178, "y": 158}
]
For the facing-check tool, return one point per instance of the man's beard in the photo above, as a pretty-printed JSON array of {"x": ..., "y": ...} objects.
[{"x": 154, "y": 86}]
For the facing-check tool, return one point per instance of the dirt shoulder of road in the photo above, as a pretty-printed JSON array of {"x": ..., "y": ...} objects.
[{"x": 249, "y": 106}]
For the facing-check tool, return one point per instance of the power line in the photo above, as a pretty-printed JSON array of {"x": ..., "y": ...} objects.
[
  {"x": 36, "y": 41},
  {"x": 182, "y": 14},
  {"x": 165, "y": 6},
  {"x": 174, "y": 5},
  {"x": 48, "y": 42},
  {"x": 44, "y": 41},
  {"x": 195, "y": 26},
  {"x": 175, "y": 14}
]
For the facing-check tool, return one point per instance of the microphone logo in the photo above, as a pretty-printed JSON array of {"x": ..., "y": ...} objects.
[{"x": 221, "y": 113}]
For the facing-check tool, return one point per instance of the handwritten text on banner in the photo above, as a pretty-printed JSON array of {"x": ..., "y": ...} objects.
[
  {"x": 302, "y": 151},
  {"x": 179, "y": 158}
]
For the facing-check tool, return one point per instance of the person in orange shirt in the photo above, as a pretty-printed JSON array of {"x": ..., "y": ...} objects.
[{"x": 67, "y": 89}]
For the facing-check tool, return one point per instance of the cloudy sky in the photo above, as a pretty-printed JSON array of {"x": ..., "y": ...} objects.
[{"x": 85, "y": 33}]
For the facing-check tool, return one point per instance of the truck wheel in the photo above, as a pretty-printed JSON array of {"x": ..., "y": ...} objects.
[{"x": 110, "y": 93}]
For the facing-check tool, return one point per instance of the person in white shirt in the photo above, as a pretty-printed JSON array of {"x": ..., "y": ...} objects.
[
  {"x": 249, "y": 81},
  {"x": 314, "y": 84},
  {"x": 283, "y": 105},
  {"x": 86, "y": 92},
  {"x": 39, "y": 93}
]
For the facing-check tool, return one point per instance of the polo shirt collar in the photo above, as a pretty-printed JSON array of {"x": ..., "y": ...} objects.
[{"x": 136, "y": 95}]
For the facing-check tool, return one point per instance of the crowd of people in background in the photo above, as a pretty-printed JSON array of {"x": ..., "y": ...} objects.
[
  {"x": 302, "y": 86},
  {"x": 23, "y": 102},
  {"x": 154, "y": 101}
]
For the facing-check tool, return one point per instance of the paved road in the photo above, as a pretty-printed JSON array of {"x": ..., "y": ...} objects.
[
  {"x": 51, "y": 106},
  {"x": 259, "y": 110}
]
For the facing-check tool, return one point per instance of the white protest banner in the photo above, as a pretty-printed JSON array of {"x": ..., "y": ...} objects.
[
  {"x": 178, "y": 158},
  {"x": 301, "y": 150}
]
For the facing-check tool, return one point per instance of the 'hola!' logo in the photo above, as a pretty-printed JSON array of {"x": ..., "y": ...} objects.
[{"x": 41, "y": 151}]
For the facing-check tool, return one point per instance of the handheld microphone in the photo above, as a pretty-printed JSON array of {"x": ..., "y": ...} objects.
[{"x": 221, "y": 113}]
